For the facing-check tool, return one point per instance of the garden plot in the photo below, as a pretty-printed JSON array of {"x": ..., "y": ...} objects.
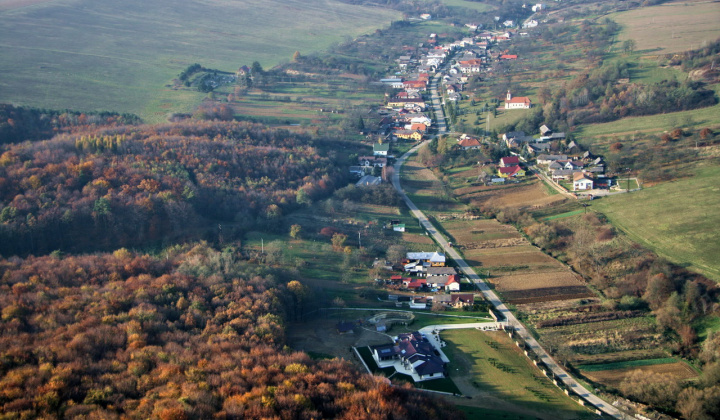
[
  {"x": 540, "y": 287},
  {"x": 679, "y": 370},
  {"x": 530, "y": 194}
]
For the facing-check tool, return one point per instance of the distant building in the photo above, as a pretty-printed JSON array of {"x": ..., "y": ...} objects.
[{"x": 519, "y": 102}]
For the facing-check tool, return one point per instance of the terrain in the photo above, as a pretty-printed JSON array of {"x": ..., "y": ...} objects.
[{"x": 114, "y": 57}]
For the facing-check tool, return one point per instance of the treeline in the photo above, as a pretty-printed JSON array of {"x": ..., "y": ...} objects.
[
  {"x": 132, "y": 186},
  {"x": 196, "y": 333},
  {"x": 598, "y": 96},
  {"x": 18, "y": 124}
]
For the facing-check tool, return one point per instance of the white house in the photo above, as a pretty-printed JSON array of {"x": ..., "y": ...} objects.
[{"x": 582, "y": 181}]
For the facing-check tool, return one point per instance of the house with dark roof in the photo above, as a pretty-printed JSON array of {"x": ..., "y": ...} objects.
[{"x": 412, "y": 354}]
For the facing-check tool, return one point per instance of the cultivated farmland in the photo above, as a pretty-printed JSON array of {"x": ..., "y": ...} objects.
[{"x": 78, "y": 54}]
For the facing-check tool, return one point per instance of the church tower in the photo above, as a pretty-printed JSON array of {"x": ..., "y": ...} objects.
[{"x": 509, "y": 96}]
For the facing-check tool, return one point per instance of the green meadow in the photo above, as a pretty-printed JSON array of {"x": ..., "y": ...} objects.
[
  {"x": 678, "y": 220},
  {"x": 122, "y": 56}
]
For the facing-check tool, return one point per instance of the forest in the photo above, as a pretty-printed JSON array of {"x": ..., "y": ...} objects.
[
  {"x": 194, "y": 333},
  {"x": 137, "y": 185}
]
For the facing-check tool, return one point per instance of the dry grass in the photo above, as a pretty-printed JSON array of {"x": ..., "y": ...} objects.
[
  {"x": 416, "y": 239},
  {"x": 681, "y": 371},
  {"x": 671, "y": 28},
  {"x": 527, "y": 195}
]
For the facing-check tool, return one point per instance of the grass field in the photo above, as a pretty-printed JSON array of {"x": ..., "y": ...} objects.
[
  {"x": 494, "y": 365},
  {"x": 480, "y": 7},
  {"x": 684, "y": 219},
  {"x": 108, "y": 55},
  {"x": 670, "y": 28},
  {"x": 703, "y": 117},
  {"x": 626, "y": 364}
]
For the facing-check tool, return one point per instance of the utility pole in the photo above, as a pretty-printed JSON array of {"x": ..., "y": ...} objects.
[
  {"x": 262, "y": 245},
  {"x": 359, "y": 242}
]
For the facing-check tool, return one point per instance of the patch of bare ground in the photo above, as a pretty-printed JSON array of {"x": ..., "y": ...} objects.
[
  {"x": 544, "y": 286},
  {"x": 320, "y": 336},
  {"x": 681, "y": 371},
  {"x": 416, "y": 239},
  {"x": 526, "y": 195}
]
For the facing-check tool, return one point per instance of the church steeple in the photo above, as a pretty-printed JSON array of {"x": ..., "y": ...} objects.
[{"x": 509, "y": 96}]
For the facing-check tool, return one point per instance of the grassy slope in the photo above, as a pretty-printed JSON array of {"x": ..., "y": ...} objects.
[
  {"x": 104, "y": 54},
  {"x": 677, "y": 220},
  {"x": 512, "y": 377},
  {"x": 670, "y": 28}
]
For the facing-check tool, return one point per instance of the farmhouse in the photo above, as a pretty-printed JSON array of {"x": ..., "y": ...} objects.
[
  {"x": 409, "y": 134},
  {"x": 381, "y": 149},
  {"x": 508, "y": 161},
  {"x": 441, "y": 271},
  {"x": 447, "y": 283},
  {"x": 372, "y": 161},
  {"x": 520, "y": 102},
  {"x": 469, "y": 143},
  {"x": 411, "y": 354},
  {"x": 511, "y": 172},
  {"x": 582, "y": 181},
  {"x": 436, "y": 259},
  {"x": 548, "y": 159}
]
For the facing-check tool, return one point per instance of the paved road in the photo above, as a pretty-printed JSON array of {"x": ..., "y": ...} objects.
[{"x": 490, "y": 295}]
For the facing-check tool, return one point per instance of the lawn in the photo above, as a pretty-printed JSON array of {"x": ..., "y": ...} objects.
[
  {"x": 493, "y": 364},
  {"x": 77, "y": 54},
  {"x": 684, "y": 219}
]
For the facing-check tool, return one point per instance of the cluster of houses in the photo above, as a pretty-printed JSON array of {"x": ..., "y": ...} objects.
[
  {"x": 427, "y": 272},
  {"x": 562, "y": 162},
  {"x": 412, "y": 354},
  {"x": 586, "y": 172}
]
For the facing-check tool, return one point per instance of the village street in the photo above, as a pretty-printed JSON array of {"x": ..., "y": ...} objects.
[{"x": 492, "y": 297}]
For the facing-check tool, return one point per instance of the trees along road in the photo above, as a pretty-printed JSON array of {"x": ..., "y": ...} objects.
[{"x": 490, "y": 295}]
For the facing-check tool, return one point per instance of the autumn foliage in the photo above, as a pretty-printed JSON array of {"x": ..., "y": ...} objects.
[
  {"x": 197, "y": 333},
  {"x": 133, "y": 185}
]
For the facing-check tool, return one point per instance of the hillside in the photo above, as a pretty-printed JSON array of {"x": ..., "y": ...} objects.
[{"x": 79, "y": 53}]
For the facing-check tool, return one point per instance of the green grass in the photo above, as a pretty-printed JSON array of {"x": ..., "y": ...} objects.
[
  {"x": 480, "y": 7},
  {"x": 706, "y": 325},
  {"x": 703, "y": 117},
  {"x": 499, "y": 368},
  {"x": 490, "y": 414},
  {"x": 678, "y": 220},
  {"x": 627, "y": 364},
  {"x": 564, "y": 215},
  {"x": 109, "y": 55}
]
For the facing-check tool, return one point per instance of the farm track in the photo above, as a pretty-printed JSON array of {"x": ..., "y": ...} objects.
[{"x": 493, "y": 298}]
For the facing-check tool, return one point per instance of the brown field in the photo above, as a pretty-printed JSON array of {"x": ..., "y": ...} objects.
[
  {"x": 510, "y": 257},
  {"x": 416, "y": 239},
  {"x": 681, "y": 371},
  {"x": 670, "y": 28},
  {"x": 526, "y": 195},
  {"x": 526, "y": 288}
]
